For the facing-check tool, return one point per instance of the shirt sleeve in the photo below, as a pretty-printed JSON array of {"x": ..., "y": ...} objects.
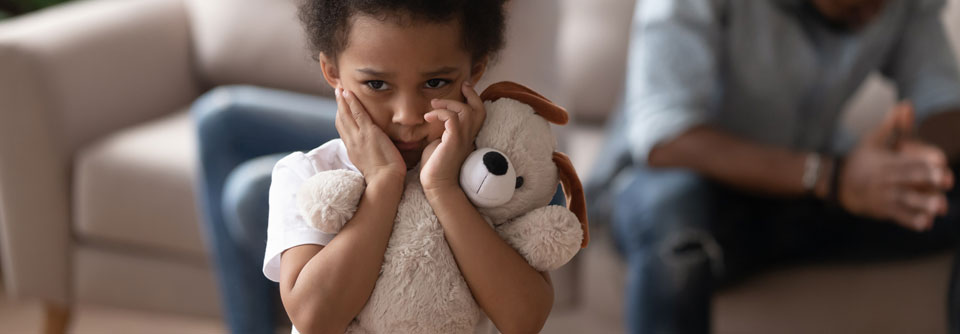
[
  {"x": 923, "y": 64},
  {"x": 286, "y": 228},
  {"x": 672, "y": 80}
]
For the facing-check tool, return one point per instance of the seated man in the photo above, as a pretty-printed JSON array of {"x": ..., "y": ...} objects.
[{"x": 735, "y": 154}]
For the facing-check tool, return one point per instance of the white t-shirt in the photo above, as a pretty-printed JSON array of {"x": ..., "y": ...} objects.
[{"x": 286, "y": 228}]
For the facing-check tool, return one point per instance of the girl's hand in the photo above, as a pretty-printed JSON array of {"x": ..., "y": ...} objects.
[
  {"x": 461, "y": 123},
  {"x": 368, "y": 146}
]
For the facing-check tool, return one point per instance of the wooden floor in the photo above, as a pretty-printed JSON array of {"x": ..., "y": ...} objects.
[{"x": 26, "y": 317}]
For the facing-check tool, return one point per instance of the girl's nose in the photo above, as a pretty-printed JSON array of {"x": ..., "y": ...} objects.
[{"x": 410, "y": 109}]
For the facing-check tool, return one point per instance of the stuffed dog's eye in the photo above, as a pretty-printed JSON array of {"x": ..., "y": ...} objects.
[{"x": 519, "y": 182}]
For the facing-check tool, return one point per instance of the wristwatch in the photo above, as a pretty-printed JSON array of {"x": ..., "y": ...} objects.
[{"x": 811, "y": 172}]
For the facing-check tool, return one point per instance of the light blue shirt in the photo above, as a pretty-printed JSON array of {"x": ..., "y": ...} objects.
[{"x": 770, "y": 71}]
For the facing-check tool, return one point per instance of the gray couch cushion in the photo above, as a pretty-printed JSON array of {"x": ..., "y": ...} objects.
[{"x": 135, "y": 188}]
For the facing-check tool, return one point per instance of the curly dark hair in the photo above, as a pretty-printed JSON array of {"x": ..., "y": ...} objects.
[{"x": 327, "y": 22}]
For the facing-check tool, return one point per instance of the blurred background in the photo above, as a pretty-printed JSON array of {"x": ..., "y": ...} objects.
[
  {"x": 100, "y": 230},
  {"x": 9, "y": 8}
]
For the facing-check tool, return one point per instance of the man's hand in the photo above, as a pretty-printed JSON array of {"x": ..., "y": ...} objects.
[{"x": 892, "y": 175}]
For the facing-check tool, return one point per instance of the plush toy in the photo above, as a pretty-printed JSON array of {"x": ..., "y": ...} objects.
[{"x": 510, "y": 178}]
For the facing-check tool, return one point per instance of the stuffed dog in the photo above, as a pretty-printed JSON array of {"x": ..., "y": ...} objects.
[{"x": 510, "y": 178}]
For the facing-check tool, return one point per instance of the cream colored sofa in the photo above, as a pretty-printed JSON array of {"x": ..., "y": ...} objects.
[{"x": 98, "y": 160}]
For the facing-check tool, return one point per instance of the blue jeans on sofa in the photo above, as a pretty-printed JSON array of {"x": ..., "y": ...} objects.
[
  {"x": 243, "y": 131},
  {"x": 683, "y": 236}
]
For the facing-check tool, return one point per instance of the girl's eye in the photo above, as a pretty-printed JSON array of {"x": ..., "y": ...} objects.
[
  {"x": 377, "y": 85},
  {"x": 437, "y": 83}
]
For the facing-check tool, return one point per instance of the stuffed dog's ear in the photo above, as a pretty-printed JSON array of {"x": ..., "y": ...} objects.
[
  {"x": 541, "y": 105},
  {"x": 572, "y": 188}
]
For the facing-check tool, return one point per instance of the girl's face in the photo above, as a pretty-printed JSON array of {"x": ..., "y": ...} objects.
[{"x": 395, "y": 70}]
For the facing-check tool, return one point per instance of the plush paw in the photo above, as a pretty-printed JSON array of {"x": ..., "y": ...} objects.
[
  {"x": 329, "y": 199},
  {"x": 547, "y": 237}
]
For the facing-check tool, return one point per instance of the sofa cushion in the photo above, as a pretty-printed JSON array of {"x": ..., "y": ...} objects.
[
  {"x": 593, "y": 55},
  {"x": 262, "y": 42},
  {"x": 529, "y": 55},
  {"x": 135, "y": 188},
  {"x": 135, "y": 281},
  {"x": 896, "y": 296},
  {"x": 258, "y": 42}
]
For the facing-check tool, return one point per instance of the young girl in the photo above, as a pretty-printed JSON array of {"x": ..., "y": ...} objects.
[{"x": 403, "y": 73}]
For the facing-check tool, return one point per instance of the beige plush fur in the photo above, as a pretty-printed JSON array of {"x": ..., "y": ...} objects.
[
  {"x": 546, "y": 236},
  {"x": 420, "y": 289},
  {"x": 329, "y": 198}
]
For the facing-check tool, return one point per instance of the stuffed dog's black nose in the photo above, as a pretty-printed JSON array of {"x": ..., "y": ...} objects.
[{"x": 495, "y": 163}]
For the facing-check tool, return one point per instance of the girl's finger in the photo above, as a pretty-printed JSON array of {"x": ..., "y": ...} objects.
[
  {"x": 345, "y": 125},
  {"x": 455, "y": 106},
  {"x": 471, "y": 118},
  {"x": 359, "y": 112},
  {"x": 451, "y": 124},
  {"x": 336, "y": 118},
  {"x": 343, "y": 111},
  {"x": 337, "y": 123},
  {"x": 473, "y": 99},
  {"x": 441, "y": 115}
]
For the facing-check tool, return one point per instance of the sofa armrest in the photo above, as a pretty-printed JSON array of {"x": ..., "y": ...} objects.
[{"x": 69, "y": 75}]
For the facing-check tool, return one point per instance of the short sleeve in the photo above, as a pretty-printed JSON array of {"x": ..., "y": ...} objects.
[
  {"x": 672, "y": 80},
  {"x": 286, "y": 228},
  {"x": 923, "y": 64}
]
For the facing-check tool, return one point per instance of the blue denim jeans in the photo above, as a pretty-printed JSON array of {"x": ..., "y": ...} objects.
[
  {"x": 684, "y": 236},
  {"x": 243, "y": 131}
]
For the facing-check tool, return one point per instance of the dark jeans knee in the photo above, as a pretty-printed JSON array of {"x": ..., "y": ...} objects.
[
  {"x": 657, "y": 204},
  {"x": 245, "y": 204},
  {"x": 211, "y": 110},
  {"x": 661, "y": 223}
]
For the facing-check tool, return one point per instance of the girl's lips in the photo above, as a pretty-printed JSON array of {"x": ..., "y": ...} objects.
[{"x": 408, "y": 146}]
